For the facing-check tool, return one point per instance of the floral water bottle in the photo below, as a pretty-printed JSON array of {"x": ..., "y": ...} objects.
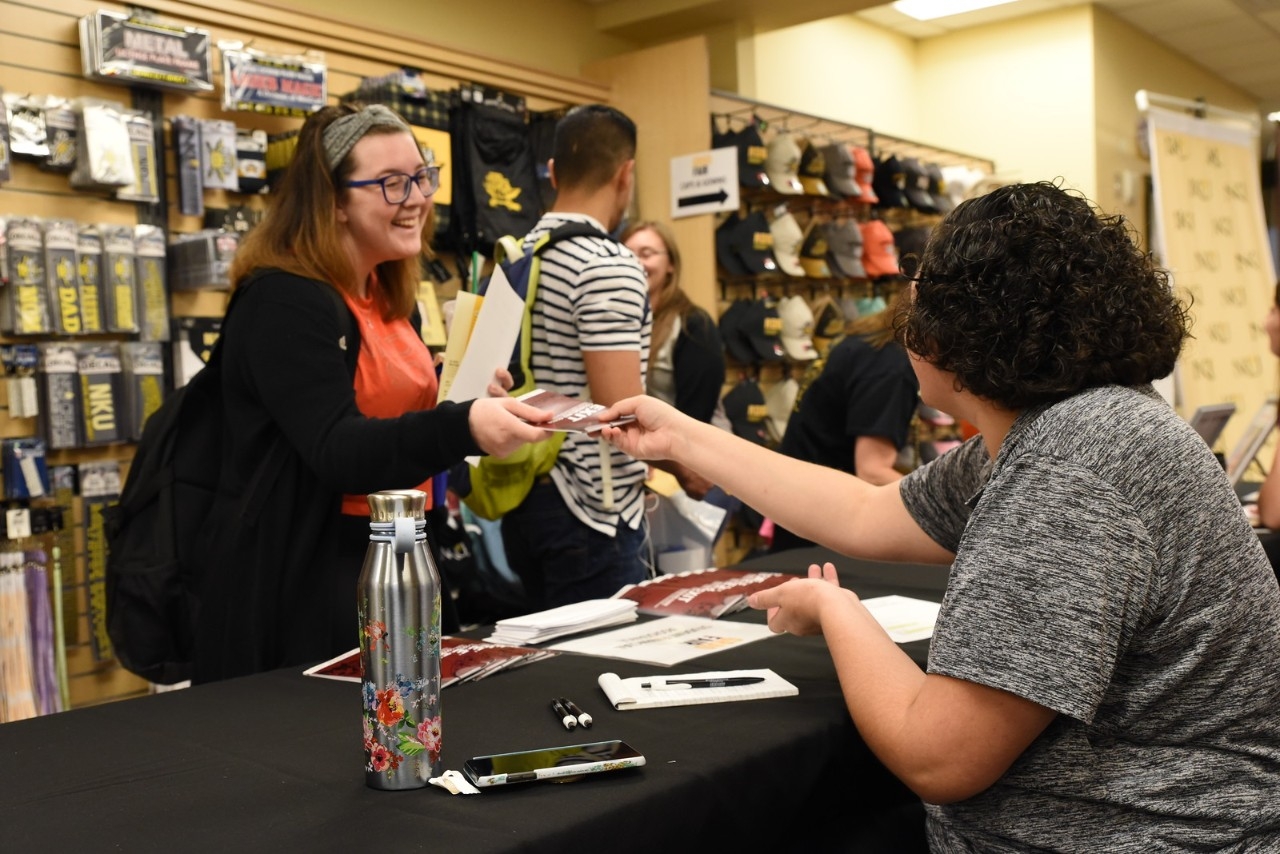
[{"x": 399, "y": 607}]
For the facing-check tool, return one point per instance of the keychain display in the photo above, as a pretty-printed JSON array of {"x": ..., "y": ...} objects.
[
  {"x": 28, "y": 136},
  {"x": 89, "y": 277},
  {"x": 25, "y": 310},
  {"x": 218, "y": 155},
  {"x": 61, "y": 133},
  {"x": 186, "y": 145},
  {"x": 143, "y": 364},
  {"x": 152, "y": 298},
  {"x": 142, "y": 148},
  {"x": 101, "y": 393},
  {"x": 59, "y": 395},
  {"x": 119, "y": 271}
]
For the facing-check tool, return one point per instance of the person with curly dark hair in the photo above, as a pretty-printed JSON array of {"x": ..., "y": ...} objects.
[{"x": 1102, "y": 675}]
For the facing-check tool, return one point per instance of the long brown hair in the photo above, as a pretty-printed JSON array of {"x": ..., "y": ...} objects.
[
  {"x": 877, "y": 329},
  {"x": 673, "y": 302},
  {"x": 300, "y": 232}
]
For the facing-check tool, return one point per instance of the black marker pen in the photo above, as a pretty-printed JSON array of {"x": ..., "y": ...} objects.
[
  {"x": 566, "y": 718},
  {"x": 584, "y": 719}
]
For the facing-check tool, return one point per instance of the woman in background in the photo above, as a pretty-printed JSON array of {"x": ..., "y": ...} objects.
[
  {"x": 686, "y": 357},
  {"x": 856, "y": 416}
]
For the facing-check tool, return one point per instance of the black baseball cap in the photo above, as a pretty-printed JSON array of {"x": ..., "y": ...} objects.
[
  {"x": 733, "y": 332},
  {"x": 753, "y": 243},
  {"x": 728, "y": 259},
  {"x": 917, "y": 186},
  {"x": 764, "y": 328},
  {"x": 752, "y": 154},
  {"x": 888, "y": 183},
  {"x": 746, "y": 410}
]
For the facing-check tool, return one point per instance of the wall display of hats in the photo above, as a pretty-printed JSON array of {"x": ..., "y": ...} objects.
[{"x": 830, "y": 213}]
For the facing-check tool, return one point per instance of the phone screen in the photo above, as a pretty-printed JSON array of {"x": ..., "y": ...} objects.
[{"x": 529, "y": 761}]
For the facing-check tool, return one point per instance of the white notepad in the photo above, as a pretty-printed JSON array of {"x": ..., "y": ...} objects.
[{"x": 627, "y": 694}]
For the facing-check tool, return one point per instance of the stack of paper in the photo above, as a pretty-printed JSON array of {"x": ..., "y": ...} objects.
[
  {"x": 461, "y": 660},
  {"x": 701, "y": 592},
  {"x": 565, "y": 620}
]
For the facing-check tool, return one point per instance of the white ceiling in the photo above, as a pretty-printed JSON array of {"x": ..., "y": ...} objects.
[{"x": 1237, "y": 40}]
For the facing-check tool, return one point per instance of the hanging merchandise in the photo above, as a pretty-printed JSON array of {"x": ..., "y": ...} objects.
[
  {"x": 251, "y": 160},
  {"x": 153, "y": 299},
  {"x": 101, "y": 393},
  {"x": 119, "y": 277},
  {"x": 142, "y": 147},
  {"x": 89, "y": 277},
  {"x": 496, "y": 185},
  {"x": 59, "y": 395},
  {"x": 105, "y": 160},
  {"x": 28, "y": 136},
  {"x": 20, "y": 362},
  {"x": 193, "y": 342},
  {"x": 128, "y": 49},
  {"x": 278, "y": 85},
  {"x": 100, "y": 488},
  {"x": 17, "y": 697},
  {"x": 48, "y": 698},
  {"x": 60, "y": 127},
  {"x": 25, "y": 311},
  {"x": 26, "y": 471},
  {"x": 5, "y": 172},
  {"x": 61, "y": 275},
  {"x": 143, "y": 365},
  {"x": 202, "y": 259},
  {"x": 218, "y": 155},
  {"x": 186, "y": 144}
]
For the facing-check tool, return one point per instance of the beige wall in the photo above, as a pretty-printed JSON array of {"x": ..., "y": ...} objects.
[
  {"x": 839, "y": 68},
  {"x": 1127, "y": 60},
  {"x": 550, "y": 35},
  {"x": 1019, "y": 92}
]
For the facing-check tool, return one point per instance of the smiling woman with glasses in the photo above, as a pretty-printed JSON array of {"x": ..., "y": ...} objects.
[
  {"x": 329, "y": 394},
  {"x": 397, "y": 186}
]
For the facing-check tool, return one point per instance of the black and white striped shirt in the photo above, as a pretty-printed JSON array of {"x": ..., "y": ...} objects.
[{"x": 592, "y": 295}]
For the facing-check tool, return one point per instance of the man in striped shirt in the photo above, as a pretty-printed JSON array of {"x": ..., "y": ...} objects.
[{"x": 581, "y": 532}]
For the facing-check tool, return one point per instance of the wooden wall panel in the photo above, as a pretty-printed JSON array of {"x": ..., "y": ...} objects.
[{"x": 39, "y": 54}]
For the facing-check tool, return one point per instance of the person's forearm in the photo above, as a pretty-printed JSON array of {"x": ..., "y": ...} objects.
[
  {"x": 884, "y": 691},
  {"x": 817, "y": 503}
]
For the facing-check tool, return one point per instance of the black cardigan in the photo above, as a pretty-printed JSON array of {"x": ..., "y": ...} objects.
[{"x": 273, "y": 547}]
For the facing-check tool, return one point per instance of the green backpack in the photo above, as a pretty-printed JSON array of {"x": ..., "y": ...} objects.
[{"x": 499, "y": 484}]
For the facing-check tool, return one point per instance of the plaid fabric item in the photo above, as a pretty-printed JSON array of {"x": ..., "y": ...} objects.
[{"x": 429, "y": 109}]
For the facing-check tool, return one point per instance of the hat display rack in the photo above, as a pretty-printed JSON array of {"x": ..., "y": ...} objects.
[{"x": 827, "y": 212}]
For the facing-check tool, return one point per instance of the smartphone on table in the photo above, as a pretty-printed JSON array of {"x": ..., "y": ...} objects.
[{"x": 560, "y": 764}]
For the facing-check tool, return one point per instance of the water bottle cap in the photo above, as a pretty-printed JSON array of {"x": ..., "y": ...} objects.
[{"x": 389, "y": 504}]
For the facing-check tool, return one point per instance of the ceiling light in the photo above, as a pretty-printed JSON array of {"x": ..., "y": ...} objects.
[
  {"x": 927, "y": 10},
  {"x": 1273, "y": 117}
]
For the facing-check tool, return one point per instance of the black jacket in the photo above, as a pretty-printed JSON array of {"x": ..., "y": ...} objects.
[{"x": 277, "y": 586}]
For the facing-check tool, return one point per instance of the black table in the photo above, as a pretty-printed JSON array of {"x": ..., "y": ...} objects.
[{"x": 274, "y": 762}]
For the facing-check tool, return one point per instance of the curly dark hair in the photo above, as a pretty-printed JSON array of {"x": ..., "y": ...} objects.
[{"x": 1029, "y": 295}]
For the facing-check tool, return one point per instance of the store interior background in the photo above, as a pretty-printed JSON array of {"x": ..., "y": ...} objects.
[{"x": 1045, "y": 88}]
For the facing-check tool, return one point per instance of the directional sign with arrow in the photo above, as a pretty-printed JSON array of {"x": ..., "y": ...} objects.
[{"x": 705, "y": 182}]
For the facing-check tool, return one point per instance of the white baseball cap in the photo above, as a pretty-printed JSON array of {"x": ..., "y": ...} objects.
[{"x": 797, "y": 329}]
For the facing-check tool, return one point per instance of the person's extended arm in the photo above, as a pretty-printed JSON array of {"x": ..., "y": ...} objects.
[
  {"x": 612, "y": 375},
  {"x": 873, "y": 459},
  {"x": 818, "y": 503},
  {"x": 946, "y": 738}
]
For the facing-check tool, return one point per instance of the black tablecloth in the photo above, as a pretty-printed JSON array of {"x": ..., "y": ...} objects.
[{"x": 274, "y": 761}]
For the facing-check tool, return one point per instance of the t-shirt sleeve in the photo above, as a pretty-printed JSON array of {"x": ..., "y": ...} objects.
[
  {"x": 1052, "y": 576},
  {"x": 937, "y": 494},
  {"x": 611, "y": 304},
  {"x": 881, "y": 405}
]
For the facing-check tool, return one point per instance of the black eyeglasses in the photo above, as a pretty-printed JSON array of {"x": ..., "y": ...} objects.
[{"x": 397, "y": 186}]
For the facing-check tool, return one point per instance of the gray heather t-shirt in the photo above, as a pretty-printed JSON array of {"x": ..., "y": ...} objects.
[{"x": 1104, "y": 569}]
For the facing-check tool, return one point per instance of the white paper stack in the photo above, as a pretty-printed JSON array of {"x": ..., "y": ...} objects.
[{"x": 565, "y": 620}]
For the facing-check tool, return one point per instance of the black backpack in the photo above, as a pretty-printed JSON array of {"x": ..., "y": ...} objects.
[{"x": 153, "y": 530}]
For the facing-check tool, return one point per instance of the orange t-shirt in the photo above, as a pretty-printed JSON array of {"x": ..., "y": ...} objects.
[{"x": 394, "y": 375}]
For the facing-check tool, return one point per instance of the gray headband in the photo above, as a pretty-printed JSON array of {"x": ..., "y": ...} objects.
[{"x": 342, "y": 135}]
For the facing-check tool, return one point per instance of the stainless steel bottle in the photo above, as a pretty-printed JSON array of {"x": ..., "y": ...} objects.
[{"x": 399, "y": 605}]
